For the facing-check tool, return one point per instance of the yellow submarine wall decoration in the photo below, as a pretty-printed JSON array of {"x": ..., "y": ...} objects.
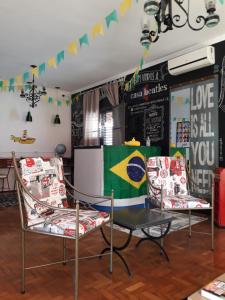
[{"x": 24, "y": 139}]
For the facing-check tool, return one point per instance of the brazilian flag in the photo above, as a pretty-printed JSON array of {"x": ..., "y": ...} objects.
[{"x": 124, "y": 170}]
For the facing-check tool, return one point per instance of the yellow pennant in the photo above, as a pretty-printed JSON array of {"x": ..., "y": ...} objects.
[
  {"x": 5, "y": 85},
  {"x": 98, "y": 29},
  {"x": 72, "y": 48},
  {"x": 45, "y": 97},
  {"x": 52, "y": 62},
  {"x": 35, "y": 72},
  {"x": 19, "y": 80},
  {"x": 124, "y": 6},
  {"x": 146, "y": 53}
]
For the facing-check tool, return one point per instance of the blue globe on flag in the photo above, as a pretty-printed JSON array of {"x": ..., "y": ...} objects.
[
  {"x": 60, "y": 149},
  {"x": 136, "y": 169}
]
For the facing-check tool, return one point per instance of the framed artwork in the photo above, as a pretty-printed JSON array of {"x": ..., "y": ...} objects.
[{"x": 183, "y": 134}]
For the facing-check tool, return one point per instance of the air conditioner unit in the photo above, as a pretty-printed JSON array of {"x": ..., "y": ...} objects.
[{"x": 192, "y": 61}]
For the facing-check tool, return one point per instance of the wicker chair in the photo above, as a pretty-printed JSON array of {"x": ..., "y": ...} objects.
[
  {"x": 170, "y": 187},
  {"x": 43, "y": 199}
]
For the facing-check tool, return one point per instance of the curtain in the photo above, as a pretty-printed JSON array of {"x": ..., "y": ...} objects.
[
  {"x": 91, "y": 118},
  {"x": 112, "y": 93}
]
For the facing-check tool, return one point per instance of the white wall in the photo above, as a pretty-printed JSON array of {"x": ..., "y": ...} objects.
[{"x": 13, "y": 111}]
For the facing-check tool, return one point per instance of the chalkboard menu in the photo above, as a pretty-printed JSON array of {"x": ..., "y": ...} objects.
[
  {"x": 77, "y": 122},
  {"x": 154, "y": 123}
]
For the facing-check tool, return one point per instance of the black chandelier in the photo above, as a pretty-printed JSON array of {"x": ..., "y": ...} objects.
[
  {"x": 31, "y": 93},
  {"x": 164, "y": 19}
]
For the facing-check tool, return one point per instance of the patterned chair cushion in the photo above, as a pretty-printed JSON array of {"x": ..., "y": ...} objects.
[
  {"x": 186, "y": 201},
  {"x": 170, "y": 173},
  {"x": 65, "y": 223},
  {"x": 44, "y": 180}
]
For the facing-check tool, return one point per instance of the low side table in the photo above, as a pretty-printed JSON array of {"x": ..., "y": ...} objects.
[{"x": 139, "y": 218}]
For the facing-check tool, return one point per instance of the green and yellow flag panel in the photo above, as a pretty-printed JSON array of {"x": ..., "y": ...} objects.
[{"x": 124, "y": 170}]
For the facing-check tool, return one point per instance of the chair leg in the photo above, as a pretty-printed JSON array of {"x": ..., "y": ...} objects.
[
  {"x": 212, "y": 228},
  {"x": 8, "y": 184},
  {"x": 76, "y": 270},
  {"x": 111, "y": 248},
  {"x": 189, "y": 212},
  {"x": 161, "y": 240},
  {"x": 64, "y": 251},
  {"x": 23, "y": 262}
]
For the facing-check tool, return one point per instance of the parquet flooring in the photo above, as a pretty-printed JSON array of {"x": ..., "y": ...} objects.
[{"x": 192, "y": 264}]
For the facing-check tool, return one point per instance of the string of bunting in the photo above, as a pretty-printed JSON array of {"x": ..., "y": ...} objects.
[
  {"x": 98, "y": 29},
  {"x": 18, "y": 82}
]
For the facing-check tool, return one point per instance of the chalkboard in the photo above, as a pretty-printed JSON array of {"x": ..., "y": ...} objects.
[
  {"x": 154, "y": 123},
  {"x": 77, "y": 122}
]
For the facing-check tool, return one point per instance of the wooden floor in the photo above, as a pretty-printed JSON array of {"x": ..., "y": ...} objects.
[{"x": 192, "y": 264}]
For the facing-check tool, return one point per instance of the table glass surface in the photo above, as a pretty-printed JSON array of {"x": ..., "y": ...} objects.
[{"x": 138, "y": 218}]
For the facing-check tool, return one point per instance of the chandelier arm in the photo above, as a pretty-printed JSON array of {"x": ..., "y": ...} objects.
[{"x": 176, "y": 18}]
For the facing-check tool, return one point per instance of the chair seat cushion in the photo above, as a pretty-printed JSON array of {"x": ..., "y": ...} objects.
[
  {"x": 64, "y": 223},
  {"x": 184, "y": 201}
]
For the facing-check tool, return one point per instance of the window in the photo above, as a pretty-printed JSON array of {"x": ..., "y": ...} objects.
[{"x": 106, "y": 127}]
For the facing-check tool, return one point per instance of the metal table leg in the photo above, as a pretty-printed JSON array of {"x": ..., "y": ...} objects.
[
  {"x": 154, "y": 239},
  {"x": 116, "y": 249}
]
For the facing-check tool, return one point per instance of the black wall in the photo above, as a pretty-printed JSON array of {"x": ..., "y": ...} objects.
[{"x": 158, "y": 76}]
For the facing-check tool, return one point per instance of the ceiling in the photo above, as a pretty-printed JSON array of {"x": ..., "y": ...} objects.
[{"x": 33, "y": 31}]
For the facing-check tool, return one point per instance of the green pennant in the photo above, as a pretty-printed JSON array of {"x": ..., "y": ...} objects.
[
  {"x": 11, "y": 85},
  {"x": 67, "y": 102},
  {"x": 1, "y": 84},
  {"x": 59, "y": 57},
  {"x": 84, "y": 40},
  {"x": 222, "y": 2},
  {"x": 27, "y": 87},
  {"x": 41, "y": 69},
  {"x": 141, "y": 63},
  {"x": 50, "y": 99},
  {"x": 59, "y": 103},
  {"x": 26, "y": 76},
  {"x": 111, "y": 17}
]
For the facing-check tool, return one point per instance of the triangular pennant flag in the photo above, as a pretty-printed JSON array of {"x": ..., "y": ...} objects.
[
  {"x": 111, "y": 17},
  {"x": 52, "y": 62},
  {"x": 222, "y": 2},
  {"x": 98, "y": 29},
  {"x": 141, "y": 63},
  {"x": 34, "y": 71},
  {"x": 44, "y": 97},
  {"x": 124, "y": 6},
  {"x": 5, "y": 84},
  {"x": 84, "y": 40},
  {"x": 19, "y": 80},
  {"x": 1, "y": 84},
  {"x": 26, "y": 76},
  {"x": 72, "y": 48},
  {"x": 146, "y": 53},
  {"x": 50, "y": 99},
  {"x": 67, "y": 102},
  {"x": 11, "y": 88},
  {"x": 59, "y": 103},
  {"x": 41, "y": 69},
  {"x": 60, "y": 57}
]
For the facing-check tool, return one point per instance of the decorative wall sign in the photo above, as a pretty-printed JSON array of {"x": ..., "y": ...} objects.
[
  {"x": 154, "y": 123},
  {"x": 24, "y": 139},
  {"x": 204, "y": 132}
]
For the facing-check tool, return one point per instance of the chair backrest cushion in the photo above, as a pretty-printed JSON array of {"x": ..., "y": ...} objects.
[
  {"x": 169, "y": 172},
  {"x": 44, "y": 180}
]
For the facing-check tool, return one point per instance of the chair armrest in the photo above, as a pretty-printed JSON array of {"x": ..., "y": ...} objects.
[{"x": 78, "y": 192}]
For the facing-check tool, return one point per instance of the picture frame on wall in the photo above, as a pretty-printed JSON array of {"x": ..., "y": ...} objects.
[{"x": 183, "y": 134}]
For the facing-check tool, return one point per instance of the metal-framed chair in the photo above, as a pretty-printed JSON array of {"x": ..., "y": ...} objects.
[
  {"x": 43, "y": 206},
  {"x": 5, "y": 167},
  {"x": 170, "y": 187}
]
